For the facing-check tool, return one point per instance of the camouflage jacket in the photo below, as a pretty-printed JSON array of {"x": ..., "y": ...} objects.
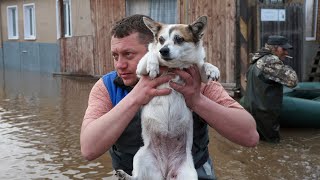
[
  {"x": 273, "y": 68},
  {"x": 264, "y": 91}
]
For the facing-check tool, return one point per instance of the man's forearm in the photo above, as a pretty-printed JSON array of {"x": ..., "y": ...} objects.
[
  {"x": 97, "y": 136},
  {"x": 237, "y": 125}
]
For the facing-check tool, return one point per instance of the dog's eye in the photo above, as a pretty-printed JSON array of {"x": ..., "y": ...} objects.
[
  {"x": 178, "y": 39},
  {"x": 161, "y": 40}
]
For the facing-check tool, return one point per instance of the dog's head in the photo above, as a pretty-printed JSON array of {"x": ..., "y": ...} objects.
[{"x": 178, "y": 44}]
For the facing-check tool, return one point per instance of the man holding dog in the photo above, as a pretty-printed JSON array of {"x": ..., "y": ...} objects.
[
  {"x": 112, "y": 119},
  {"x": 265, "y": 79}
]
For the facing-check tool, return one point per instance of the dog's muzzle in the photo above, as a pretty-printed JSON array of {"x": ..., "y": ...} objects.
[{"x": 165, "y": 53}]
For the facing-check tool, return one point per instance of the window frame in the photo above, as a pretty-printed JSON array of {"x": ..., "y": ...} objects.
[
  {"x": 27, "y": 24},
  {"x": 58, "y": 19},
  {"x": 67, "y": 19},
  {"x": 154, "y": 10},
  {"x": 314, "y": 20},
  {"x": 10, "y": 23}
]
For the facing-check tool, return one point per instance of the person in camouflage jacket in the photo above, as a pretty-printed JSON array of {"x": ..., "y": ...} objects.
[{"x": 264, "y": 90}]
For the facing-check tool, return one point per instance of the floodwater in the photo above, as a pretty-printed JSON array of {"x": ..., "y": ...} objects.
[{"x": 40, "y": 120}]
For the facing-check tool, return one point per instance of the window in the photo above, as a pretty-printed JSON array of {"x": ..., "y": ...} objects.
[
  {"x": 12, "y": 22},
  {"x": 164, "y": 11},
  {"x": 58, "y": 19},
  {"x": 63, "y": 18},
  {"x": 271, "y": 1},
  {"x": 311, "y": 19},
  {"x": 29, "y": 21},
  {"x": 67, "y": 18}
]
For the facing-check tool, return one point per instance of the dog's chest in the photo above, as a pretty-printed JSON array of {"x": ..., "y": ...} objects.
[
  {"x": 167, "y": 114},
  {"x": 173, "y": 101}
]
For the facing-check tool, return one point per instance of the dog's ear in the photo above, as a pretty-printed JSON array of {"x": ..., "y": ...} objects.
[
  {"x": 152, "y": 25},
  {"x": 198, "y": 26}
]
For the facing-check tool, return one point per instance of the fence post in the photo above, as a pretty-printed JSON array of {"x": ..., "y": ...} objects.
[{"x": 244, "y": 40}]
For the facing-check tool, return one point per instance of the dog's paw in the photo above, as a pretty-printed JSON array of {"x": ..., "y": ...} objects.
[
  {"x": 211, "y": 71},
  {"x": 141, "y": 70},
  {"x": 153, "y": 69},
  {"x": 121, "y": 175}
]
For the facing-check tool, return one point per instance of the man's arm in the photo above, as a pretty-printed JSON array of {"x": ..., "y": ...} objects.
[
  {"x": 236, "y": 124},
  {"x": 102, "y": 126},
  {"x": 275, "y": 70}
]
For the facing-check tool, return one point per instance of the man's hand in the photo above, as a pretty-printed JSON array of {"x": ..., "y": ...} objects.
[
  {"x": 146, "y": 88},
  {"x": 191, "y": 89}
]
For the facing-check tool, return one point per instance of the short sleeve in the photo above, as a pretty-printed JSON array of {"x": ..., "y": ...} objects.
[
  {"x": 215, "y": 91},
  {"x": 99, "y": 101}
]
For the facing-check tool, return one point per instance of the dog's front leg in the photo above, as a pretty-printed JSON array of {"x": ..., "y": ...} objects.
[
  {"x": 142, "y": 65},
  {"x": 153, "y": 65},
  {"x": 148, "y": 64},
  {"x": 209, "y": 72}
]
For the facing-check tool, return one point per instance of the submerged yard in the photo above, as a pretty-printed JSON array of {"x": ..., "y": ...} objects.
[{"x": 40, "y": 120}]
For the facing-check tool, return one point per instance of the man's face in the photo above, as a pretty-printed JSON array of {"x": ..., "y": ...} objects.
[
  {"x": 281, "y": 53},
  {"x": 126, "y": 53}
]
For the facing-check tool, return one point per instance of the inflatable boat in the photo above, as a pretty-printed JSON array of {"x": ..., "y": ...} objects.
[{"x": 301, "y": 106}]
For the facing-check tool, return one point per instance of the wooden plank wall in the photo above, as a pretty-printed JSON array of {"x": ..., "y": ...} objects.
[
  {"x": 104, "y": 13},
  {"x": 245, "y": 37},
  {"x": 220, "y": 35},
  {"x": 219, "y": 39},
  {"x": 77, "y": 55},
  {"x": 90, "y": 55}
]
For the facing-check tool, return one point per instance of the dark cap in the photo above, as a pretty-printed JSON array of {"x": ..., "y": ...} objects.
[{"x": 280, "y": 41}]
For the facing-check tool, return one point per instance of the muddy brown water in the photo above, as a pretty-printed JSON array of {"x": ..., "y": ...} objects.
[{"x": 40, "y": 120}]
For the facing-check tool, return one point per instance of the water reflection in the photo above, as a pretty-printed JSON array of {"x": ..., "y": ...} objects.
[
  {"x": 40, "y": 119},
  {"x": 296, "y": 157}
]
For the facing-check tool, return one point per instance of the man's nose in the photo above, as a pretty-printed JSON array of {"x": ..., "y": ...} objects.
[{"x": 121, "y": 63}]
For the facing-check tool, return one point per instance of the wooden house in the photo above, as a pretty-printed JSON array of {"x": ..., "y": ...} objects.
[
  {"x": 72, "y": 36},
  {"x": 91, "y": 55}
]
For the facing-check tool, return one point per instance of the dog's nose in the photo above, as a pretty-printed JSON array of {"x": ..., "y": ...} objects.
[{"x": 164, "y": 52}]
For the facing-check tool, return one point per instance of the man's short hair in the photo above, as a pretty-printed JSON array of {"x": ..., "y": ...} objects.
[{"x": 132, "y": 24}]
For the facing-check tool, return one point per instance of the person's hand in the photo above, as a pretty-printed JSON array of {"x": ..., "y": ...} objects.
[
  {"x": 146, "y": 88},
  {"x": 191, "y": 89}
]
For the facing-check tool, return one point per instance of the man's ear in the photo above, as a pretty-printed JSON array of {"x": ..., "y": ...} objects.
[
  {"x": 152, "y": 25},
  {"x": 198, "y": 26}
]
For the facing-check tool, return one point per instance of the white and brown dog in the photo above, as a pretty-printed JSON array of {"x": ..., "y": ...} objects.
[{"x": 167, "y": 123}]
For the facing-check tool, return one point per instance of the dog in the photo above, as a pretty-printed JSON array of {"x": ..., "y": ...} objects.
[{"x": 167, "y": 123}]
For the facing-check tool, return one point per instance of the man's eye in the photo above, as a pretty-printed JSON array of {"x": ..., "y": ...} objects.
[
  {"x": 129, "y": 55},
  {"x": 178, "y": 39},
  {"x": 115, "y": 56},
  {"x": 161, "y": 40}
]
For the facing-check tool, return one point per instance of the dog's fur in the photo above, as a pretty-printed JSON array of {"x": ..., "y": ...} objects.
[{"x": 167, "y": 123}]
